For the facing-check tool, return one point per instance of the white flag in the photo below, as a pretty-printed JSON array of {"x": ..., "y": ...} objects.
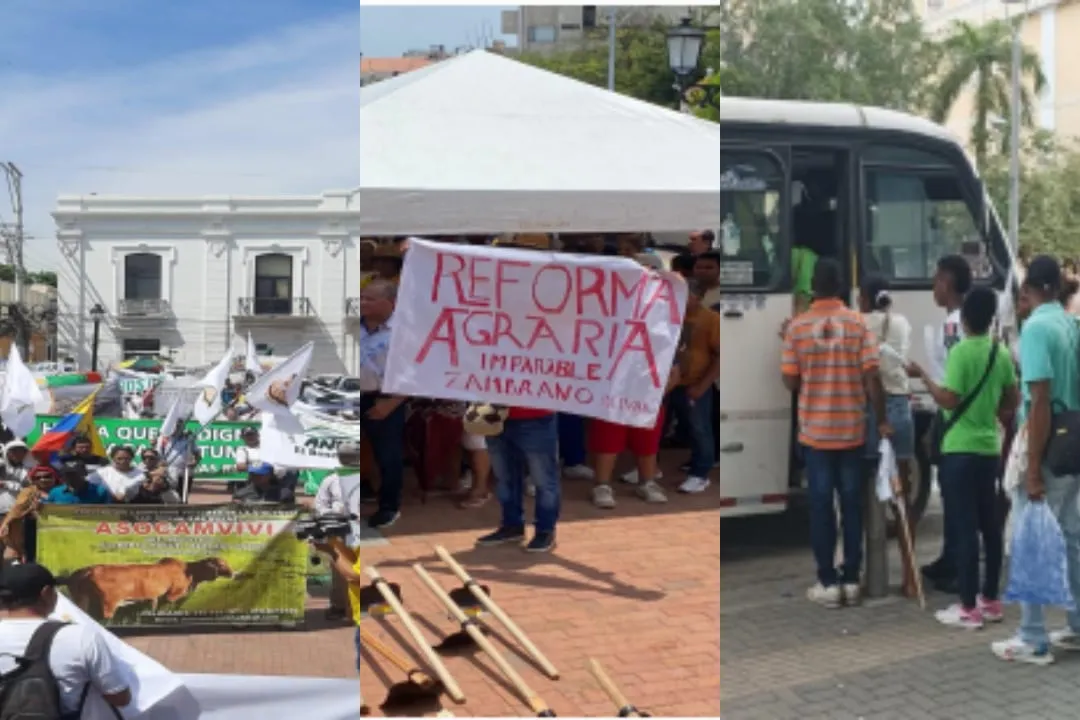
[
  {"x": 21, "y": 396},
  {"x": 251, "y": 361},
  {"x": 172, "y": 418},
  {"x": 886, "y": 471},
  {"x": 278, "y": 389},
  {"x": 208, "y": 404}
]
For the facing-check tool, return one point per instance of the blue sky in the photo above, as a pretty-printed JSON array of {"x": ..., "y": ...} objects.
[{"x": 192, "y": 97}]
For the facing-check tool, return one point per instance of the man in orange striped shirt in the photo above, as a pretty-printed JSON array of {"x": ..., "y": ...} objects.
[{"x": 831, "y": 358}]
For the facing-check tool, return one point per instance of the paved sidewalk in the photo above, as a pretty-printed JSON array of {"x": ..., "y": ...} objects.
[
  {"x": 783, "y": 657},
  {"x": 637, "y": 588}
]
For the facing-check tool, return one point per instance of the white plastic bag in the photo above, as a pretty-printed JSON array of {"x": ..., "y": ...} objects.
[
  {"x": 1017, "y": 462},
  {"x": 886, "y": 471}
]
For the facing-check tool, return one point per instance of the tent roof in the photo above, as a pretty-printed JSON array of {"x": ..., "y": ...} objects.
[{"x": 481, "y": 142}]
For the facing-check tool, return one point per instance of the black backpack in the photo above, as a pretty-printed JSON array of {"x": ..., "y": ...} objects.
[{"x": 30, "y": 692}]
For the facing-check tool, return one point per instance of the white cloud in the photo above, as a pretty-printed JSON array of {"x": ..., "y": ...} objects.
[{"x": 275, "y": 115}]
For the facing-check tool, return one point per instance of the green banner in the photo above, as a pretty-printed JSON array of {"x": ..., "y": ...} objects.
[
  {"x": 149, "y": 566},
  {"x": 217, "y": 442}
]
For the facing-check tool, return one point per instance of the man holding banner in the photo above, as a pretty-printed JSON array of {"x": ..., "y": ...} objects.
[
  {"x": 382, "y": 415},
  {"x": 537, "y": 332}
]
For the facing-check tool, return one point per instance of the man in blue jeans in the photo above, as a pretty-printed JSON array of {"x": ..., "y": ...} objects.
[
  {"x": 527, "y": 446},
  {"x": 382, "y": 417},
  {"x": 831, "y": 359},
  {"x": 1050, "y": 383}
]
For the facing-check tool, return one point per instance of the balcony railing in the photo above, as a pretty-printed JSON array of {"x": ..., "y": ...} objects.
[
  {"x": 352, "y": 307},
  {"x": 299, "y": 307},
  {"x": 144, "y": 307}
]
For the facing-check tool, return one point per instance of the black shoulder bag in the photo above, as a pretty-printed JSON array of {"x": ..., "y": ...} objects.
[
  {"x": 1063, "y": 448},
  {"x": 941, "y": 426}
]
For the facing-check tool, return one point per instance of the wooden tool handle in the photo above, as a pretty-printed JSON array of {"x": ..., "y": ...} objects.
[
  {"x": 606, "y": 683},
  {"x": 489, "y": 605},
  {"x": 535, "y": 703},
  {"x": 396, "y": 660},
  {"x": 434, "y": 661}
]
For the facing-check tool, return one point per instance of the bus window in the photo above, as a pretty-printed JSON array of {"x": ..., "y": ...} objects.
[
  {"x": 750, "y": 235},
  {"x": 914, "y": 217}
]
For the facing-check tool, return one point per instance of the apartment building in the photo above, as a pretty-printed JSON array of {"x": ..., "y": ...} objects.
[
  {"x": 553, "y": 28},
  {"x": 188, "y": 278},
  {"x": 1051, "y": 28}
]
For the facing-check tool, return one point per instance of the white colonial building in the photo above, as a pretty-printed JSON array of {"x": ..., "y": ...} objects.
[{"x": 188, "y": 278}]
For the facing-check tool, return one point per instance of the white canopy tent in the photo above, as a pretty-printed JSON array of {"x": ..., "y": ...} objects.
[{"x": 482, "y": 143}]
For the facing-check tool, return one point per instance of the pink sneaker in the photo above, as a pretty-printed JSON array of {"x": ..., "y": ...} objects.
[
  {"x": 958, "y": 616},
  {"x": 991, "y": 610}
]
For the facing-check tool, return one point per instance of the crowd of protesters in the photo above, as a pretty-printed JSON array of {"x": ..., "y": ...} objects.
[
  {"x": 513, "y": 452},
  {"x": 852, "y": 372}
]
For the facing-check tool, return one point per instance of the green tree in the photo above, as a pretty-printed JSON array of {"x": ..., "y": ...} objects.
[
  {"x": 981, "y": 56},
  {"x": 870, "y": 53},
  {"x": 641, "y": 63},
  {"x": 1049, "y": 193}
]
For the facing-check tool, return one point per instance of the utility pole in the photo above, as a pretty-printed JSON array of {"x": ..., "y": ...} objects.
[{"x": 13, "y": 244}]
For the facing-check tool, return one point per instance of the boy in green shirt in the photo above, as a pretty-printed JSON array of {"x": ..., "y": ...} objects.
[{"x": 979, "y": 388}]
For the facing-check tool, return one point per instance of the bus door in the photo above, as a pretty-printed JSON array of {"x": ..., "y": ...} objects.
[
  {"x": 918, "y": 206},
  {"x": 754, "y": 301}
]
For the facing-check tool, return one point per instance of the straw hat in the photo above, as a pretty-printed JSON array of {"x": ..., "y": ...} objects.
[{"x": 484, "y": 419}]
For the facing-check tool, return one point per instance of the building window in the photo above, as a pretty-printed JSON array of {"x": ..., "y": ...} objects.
[
  {"x": 142, "y": 276},
  {"x": 541, "y": 34},
  {"x": 141, "y": 347},
  {"x": 273, "y": 284},
  {"x": 588, "y": 16}
]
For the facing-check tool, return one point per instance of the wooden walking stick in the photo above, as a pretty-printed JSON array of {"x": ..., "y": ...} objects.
[
  {"x": 624, "y": 707},
  {"x": 432, "y": 658},
  {"x": 484, "y": 599},
  {"x": 469, "y": 625},
  {"x": 905, "y": 537}
]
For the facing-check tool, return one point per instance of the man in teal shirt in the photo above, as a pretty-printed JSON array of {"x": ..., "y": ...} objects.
[{"x": 1049, "y": 370}]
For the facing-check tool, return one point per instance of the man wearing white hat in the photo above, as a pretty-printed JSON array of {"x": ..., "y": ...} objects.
[{"x": 15, "y": 470}]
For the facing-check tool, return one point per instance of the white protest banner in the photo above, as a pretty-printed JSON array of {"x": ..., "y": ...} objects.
[
  {"x": 588, "y": 335},
  {"x": 316, "y": 448}
]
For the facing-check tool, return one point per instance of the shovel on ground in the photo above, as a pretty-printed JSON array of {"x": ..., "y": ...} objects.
[
  {"x": 417, "y": 689},
  {"x": 470, "y": 626}
]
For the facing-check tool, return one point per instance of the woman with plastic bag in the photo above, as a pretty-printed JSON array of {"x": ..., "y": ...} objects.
[
  {"x": 1045, "y": 554},
  {"x": 978, "y": 390}
]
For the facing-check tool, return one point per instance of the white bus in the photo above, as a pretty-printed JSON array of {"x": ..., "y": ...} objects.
[{"x": 880, "y": 191}]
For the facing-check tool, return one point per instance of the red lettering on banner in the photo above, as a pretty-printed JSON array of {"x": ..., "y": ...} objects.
[
  {"x": 601, "y": 313},
  {"x": 103, "y": 529}
]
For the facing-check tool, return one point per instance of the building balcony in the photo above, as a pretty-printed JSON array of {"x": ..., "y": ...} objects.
[
  {"x": 265, "y": 309},
  {"x": 136, "y": 311}
]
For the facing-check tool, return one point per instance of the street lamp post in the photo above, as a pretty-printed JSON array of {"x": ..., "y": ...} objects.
[
  {"x": 1014, "y": 130},
  {"x": 684, "y": 42},
  {"x": 97, "y": 314}
]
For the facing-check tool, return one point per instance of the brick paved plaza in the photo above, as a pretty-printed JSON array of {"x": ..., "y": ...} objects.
[
  {"x": 637, "y": 588},
  {"x": 784, "y": 658}
]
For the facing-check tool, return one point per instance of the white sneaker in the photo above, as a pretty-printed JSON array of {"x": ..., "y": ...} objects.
[
  {"x": 650, "y": 492},
  {"x": 1065, "y": 639},
  {"x": 631, "y": 478},
  {"x": 829, "y": 597},
  {"x": 693, "y": 485},
  {"x": 852, "y": 593},
  {"x": 956, "y": 616},
  {"x": 1016, "y": 650},
  {"x": 603, "y": 497},
  {"x": 578, "y": 472}
]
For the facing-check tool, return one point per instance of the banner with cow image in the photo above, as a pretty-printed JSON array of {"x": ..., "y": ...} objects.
[
  {"x": 153, "y": 566},
  {"x": 588, "y": 335}
]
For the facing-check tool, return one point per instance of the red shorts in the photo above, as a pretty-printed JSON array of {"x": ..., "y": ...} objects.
[{"x": 607, "y": 438}]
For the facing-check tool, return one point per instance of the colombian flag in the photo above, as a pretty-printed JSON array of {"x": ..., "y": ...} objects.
[{"x": 79, "y": 421}]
